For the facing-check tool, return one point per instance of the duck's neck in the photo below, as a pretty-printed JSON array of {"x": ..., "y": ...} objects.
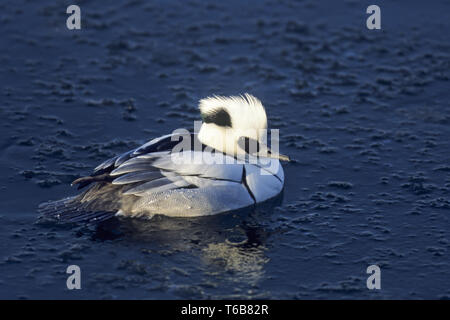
[{"x": 217, "y": 137}]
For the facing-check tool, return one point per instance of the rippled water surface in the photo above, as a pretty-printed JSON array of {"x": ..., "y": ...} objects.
[{"x": 364, "y": 114}]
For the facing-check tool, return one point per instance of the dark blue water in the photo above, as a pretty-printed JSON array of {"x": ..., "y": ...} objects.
[{"x": 364, "y": 114}]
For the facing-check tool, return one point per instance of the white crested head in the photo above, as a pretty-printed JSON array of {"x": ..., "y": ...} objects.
[
  {"x": 236, "y": 125},
  {"x": 227, "y": 120},
  {"x": 238, "y": 113}
]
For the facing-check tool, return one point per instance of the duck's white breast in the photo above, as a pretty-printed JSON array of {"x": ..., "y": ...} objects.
[{"x": 264, "y": 182}]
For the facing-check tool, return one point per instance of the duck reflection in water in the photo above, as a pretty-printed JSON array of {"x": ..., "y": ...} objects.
[{"x": 231, "y": 245}]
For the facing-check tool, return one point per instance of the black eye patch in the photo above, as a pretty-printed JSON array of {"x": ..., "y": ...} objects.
[
  {"x": 218, "y": 116},
  {"x": 249, "y": 145}
]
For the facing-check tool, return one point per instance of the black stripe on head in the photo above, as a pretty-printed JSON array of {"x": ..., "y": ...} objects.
[
  {"x": 249, "y": 145},
  {"x": 219, "y": 117}
]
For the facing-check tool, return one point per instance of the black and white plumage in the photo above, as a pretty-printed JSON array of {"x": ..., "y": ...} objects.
[{"x": 155, "y": 178}]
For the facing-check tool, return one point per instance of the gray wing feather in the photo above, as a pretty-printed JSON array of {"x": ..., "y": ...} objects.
[
  {"x": 158, "y": 185},
  {"x": 143, "y": 166},
  {"x": 226, "y": 171},
  {"x": 105, "y": 164},
  {"x": 139, "y": 176},
  {"x": 124, "y": 157},
  {"x": 151, "y": 142}
]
